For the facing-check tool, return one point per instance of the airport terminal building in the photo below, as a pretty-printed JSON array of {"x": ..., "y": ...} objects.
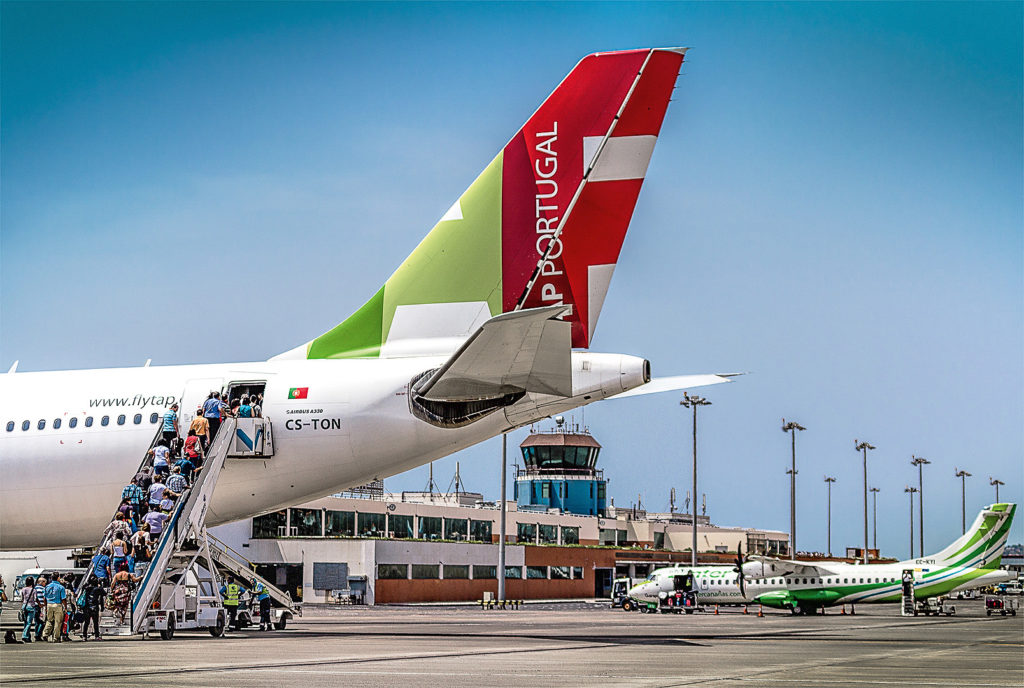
[{"x": 564, "y": 538}]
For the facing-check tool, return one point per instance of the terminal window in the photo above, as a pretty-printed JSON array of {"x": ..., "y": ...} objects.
[
  {"x": 480, "y": 531},
  {"x": 270, "y": 525},
  {"x": 570, "y": 535},
  {"x": 536, "y": 571},
  {"x": 425, "y": 571},
  {"x": 340, "y": 523},
  {"x": 400, "y": 526},
  {"x": 393, "y": 571},
  {"x": 482, "y": 572},
  {"x": 514, "y": 572},
  {"x": 545, "y": 490},
  {"x": 548, "y": 534},
  {"x": 560, "y": 572},
  {"x": 306, "y": 522},
  {"x": 371, "y": 525},
  {"x": 577, "y": 572},
  {"x": 430, "y": 528},
  {"x": 455, "y": 529},
  {"x": 527, "y": 532},
  {"x": 459, "y": 571}
]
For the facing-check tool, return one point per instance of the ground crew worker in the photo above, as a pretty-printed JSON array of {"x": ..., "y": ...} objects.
[
  {"x": 231, "y": 592},
  {"x": 261, "y": 593}
]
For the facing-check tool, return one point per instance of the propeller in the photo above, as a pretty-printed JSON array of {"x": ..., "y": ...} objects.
[{"x": 739, "y": 570}]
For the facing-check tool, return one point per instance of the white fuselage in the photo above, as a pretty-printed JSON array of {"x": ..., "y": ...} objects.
[
  {"x": 852, "y": 583},
  {"x": 59, "y": 487}
]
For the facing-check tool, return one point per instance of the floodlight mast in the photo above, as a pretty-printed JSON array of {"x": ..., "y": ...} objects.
[
  {"x": 792, "y": 427},
  {"x": 864, "y": 447},
  {"x": 693, "y": 402},
  {"x": 828, "y": 481},
  {"x": 911, "y": 490},
  {"x": 963, "y": 475},
  {"x": 996, "y": 482},
  {"x": 920, "y": 461},
  {"x": 874, "y": 517}
]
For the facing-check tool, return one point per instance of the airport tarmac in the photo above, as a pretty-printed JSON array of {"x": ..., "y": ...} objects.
[{"x": 552, "y": 645}]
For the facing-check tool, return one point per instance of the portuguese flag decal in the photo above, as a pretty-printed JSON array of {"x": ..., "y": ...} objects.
[{"x": 298, "y": 392}]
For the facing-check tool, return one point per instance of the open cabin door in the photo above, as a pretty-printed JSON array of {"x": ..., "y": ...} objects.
[{"x": 195, "y": 393}]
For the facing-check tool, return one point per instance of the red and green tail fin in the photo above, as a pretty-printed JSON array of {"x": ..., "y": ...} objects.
[{"x": 542, "y": 225}]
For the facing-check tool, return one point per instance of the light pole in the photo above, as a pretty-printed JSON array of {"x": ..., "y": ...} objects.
[
  {"x": 693, "y": 402},
  {"x": 963, "y": 475},
  {"x": 911, "y": 490},
  {"x": 501, "y": 519},
  {"x": 828, "y": 482},
  {"x": 920, "y": 461},
  {"x": 791, "y": 427},
  {"x": 863, "y": 447},
  {"x": 997, "y": 483},
  {"x": 874, "y": 517}
]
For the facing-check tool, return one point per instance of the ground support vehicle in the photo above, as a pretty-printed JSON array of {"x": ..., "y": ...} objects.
[
  {"x": 186, "y": 607},
  {"x": 620, "y": 591},
  {"x": 1001, "y": 605},
  {"x": 933, "y": 606}
]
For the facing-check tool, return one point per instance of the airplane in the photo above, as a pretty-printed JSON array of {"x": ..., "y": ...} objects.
[
  {"x": 803, "y": 587},
  {"x": 482, "y": 329}
]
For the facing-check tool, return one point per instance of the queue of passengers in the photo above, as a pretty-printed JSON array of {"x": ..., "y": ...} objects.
[{"x": 147, "y": 503}]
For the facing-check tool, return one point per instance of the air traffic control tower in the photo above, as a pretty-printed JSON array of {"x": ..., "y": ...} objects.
[{"x": 560, "y": 473}]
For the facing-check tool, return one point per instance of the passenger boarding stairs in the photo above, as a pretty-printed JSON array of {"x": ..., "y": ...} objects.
[{"x": 185, "y": 555}]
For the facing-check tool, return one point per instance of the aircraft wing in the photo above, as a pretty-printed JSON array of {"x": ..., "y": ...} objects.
[
  {"x": 676, "y": 382},
  {"x": 527, "y": 350},
  {"x": 765, "y": 567}
]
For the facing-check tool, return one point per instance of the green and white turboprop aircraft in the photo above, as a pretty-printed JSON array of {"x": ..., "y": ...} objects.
[{"x": 803, "y": 587}]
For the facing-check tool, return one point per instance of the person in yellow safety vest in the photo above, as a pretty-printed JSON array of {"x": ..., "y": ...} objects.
[
  {"x": 260, "y": 592},
  {"x": 231, "y": 592}
]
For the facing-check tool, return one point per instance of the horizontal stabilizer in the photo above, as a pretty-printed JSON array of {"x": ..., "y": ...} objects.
[
  {"x": 522, "y": 351},
  {"x": 676, "y": 382}
]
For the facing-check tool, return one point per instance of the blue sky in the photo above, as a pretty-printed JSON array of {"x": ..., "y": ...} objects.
[{"x": 834, "y": 205}]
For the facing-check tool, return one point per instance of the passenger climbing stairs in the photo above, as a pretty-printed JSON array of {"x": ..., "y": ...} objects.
[{"x": 180, "y": 589}]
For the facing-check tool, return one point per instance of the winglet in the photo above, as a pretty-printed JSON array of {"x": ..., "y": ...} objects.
[{"x": 13, "y": 368}]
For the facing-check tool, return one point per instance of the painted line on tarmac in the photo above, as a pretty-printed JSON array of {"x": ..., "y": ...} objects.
[{"x": 121, "y": 674}]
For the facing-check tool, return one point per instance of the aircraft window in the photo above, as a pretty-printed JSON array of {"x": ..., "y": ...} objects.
[
  {"x": 41, "y": 424},
  {"x": 120, "y": 419},
  {"x": 10, "y": 426},
  {"x": 861, "y": 580},
  {"x": 73, "y": 422},
  {"x": 138, "y": 418},
  {"x": 56, "y": 423},
  {"x": 153, "y": 417},
  {"x": 26, "y": 425},
  {"x": 105, "y": 421},
  {"x": 88, "y": 421}
]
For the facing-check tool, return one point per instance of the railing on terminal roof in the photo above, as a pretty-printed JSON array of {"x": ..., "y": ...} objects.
[
  {"x": 529, "y": 472},
  {"x": 371, "y": 490}
]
